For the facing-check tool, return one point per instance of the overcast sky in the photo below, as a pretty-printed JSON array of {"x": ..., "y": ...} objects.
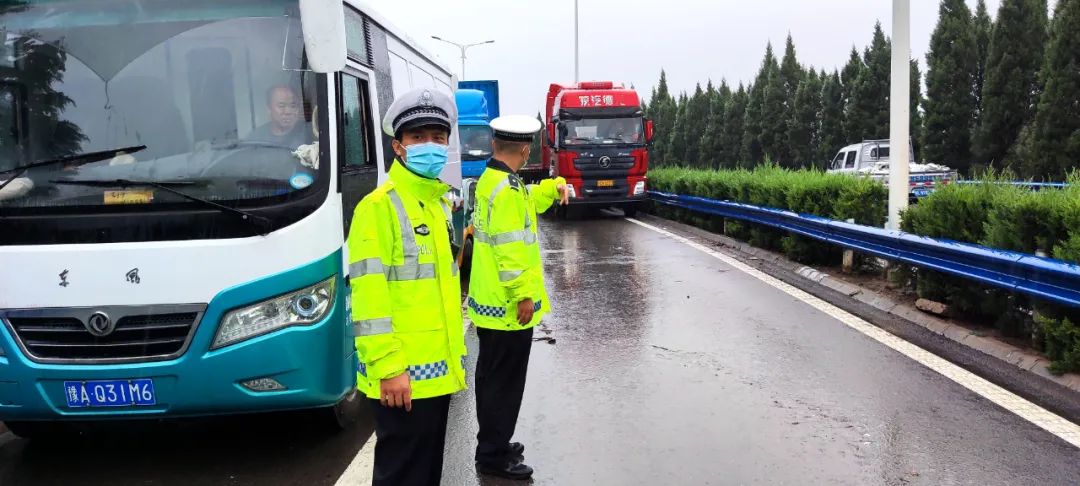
[{"x": 630, "y": 41}]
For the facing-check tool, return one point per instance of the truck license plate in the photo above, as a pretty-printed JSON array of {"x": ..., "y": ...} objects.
[
  {"x": 110, "y": 393},
  {"x": 605, "y": 183}
]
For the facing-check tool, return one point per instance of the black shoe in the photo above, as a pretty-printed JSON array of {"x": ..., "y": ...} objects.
[
  {"x": 517, "y": 449},
  {"x": 510, "y": 470}
]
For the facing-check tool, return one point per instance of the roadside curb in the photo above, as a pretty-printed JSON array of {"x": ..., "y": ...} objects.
[{"x": 1021, "y": 358}]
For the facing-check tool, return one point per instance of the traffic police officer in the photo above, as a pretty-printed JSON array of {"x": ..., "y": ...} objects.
[
  {"x": 506, "y": 290},
  {"x": 406, "y": 295}
]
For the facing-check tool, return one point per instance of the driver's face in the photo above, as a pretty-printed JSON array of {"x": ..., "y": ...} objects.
[{"x": 284, "y": 109}]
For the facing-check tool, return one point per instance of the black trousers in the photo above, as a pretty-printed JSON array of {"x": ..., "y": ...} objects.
[
  {"x": 409, "y": 449},
  {"x": 500, "y": 381}
]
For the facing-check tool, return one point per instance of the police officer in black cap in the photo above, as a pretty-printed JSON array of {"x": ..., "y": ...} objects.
[{"x": 406, "y": 295}]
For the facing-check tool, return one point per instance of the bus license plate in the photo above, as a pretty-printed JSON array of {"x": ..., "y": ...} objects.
[
  {"x": 605, "y": 183},
  {"x": 110, "y": 393}
]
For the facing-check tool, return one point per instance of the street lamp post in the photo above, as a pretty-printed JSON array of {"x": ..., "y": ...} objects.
[
  {"x": 899, "y": 111},
  {"x": 576, "y": 51},
  {"x": 463, "y": 47}
]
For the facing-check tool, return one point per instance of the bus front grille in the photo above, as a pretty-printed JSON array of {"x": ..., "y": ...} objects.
[{"x": 116, "y": 334}]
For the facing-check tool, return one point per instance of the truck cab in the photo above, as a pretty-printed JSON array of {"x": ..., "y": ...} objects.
[
  {"x": 598, "y": 139},
  {"x": 870, "y": 158},
  {"x": 474, "y": 131}
]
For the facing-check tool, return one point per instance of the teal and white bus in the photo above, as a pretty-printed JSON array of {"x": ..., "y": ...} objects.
[{"x": 176, "y": 181}]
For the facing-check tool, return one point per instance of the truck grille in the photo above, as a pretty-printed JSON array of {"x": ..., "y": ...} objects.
[
  {"x": 593, "y": 163},
  {"x": 61, "y": 335}
]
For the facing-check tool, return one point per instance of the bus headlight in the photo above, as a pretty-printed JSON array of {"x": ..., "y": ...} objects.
[{"x": 302, "y": 307}]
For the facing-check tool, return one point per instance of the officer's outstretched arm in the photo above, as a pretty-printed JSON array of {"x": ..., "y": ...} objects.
[
  {"x": 545, "y": 193},
  {"x": 516, "y": 270},
  {"x": 371, "y": 240}
]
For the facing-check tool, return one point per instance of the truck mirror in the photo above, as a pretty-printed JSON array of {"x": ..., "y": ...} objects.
[
  {"x": 648, "y": 131},
  {"x": 551, "y": 135}
]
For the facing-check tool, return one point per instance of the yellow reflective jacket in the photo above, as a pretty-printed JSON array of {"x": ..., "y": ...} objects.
[
  {"x": 506, "y": 267},
  {"x": 406, "y": 293}
]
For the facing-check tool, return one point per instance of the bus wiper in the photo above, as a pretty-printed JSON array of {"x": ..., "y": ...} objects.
[
  {"x": 86, "y": 158},
  {"x": 260, "y": 223}
]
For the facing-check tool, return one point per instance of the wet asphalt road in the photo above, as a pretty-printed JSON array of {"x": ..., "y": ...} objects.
[{"x": 669, "y": 367}]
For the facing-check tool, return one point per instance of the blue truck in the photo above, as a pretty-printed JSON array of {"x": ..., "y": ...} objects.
[{"x": 478, "y": 104}]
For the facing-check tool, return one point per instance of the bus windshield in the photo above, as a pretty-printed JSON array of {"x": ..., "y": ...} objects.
[
  {"x": 213, "y": 95},
  {"x": 591, "y": 131}
]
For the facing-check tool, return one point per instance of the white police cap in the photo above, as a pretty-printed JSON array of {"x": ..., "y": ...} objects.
[
  {"x": 420, "y": 107},
  {"x": 515, "y": 128}
]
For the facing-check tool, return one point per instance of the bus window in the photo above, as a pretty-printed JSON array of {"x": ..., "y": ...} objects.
[
  {"x": 445, "y": 88},
  {"x": 399, "y": 75},
  {"x": 421, "y": 78},
  {"x": 356, "y": 36},
  {"x": 850, "y": 162},
  {"x": 356, "y": 123}
]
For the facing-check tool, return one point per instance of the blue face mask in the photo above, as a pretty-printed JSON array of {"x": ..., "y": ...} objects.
[{"x": 426, "y": 159}]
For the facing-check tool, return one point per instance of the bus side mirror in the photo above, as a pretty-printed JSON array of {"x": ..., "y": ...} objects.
[
  {"x": 648, "y": 131},
  {"x": 324, "y": 34},
  {"x": 551, "y": 135}
]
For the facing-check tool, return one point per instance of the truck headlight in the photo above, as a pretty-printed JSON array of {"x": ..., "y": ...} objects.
[
  {"x": 570, "y": 190},
  {"x": 299, "y": 308},
  {"x": 639, "y": 188}
]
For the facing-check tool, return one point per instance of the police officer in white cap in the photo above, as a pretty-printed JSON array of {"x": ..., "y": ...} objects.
[
  {"x": 406, "y": 312},
  {"x": 506, "y": 290}
]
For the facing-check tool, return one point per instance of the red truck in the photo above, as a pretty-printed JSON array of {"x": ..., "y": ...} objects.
[{"x": 598, "y": 139}]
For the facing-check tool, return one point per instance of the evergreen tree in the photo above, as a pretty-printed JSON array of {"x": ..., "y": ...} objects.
[
  {"x": 755, "y": 123},
  {"x": 916, "y": 103},
  {"x": 750, "y": 152},
  {"x": 732, "y": 133},
  {"x": 697, "y": 117},
  {"x": 868, "y": 107},
  {"x": 1010, "y": 92},
  {"x": 848, "y": 80},
  {"x": 791, "y": 73},
  {"x": 983, "y": 27},
  {"x": 676, "y": 152},
  {"x": 831, "y": 115},
  {"x": 1052, "y": 145},
  {"x": 803, "y": 124},
  {"x": 950, "y": 78},
  {"x": 712, "y": 150},
  {"x": 774, "y": 120},
  {"x": 661, "y": 110}
]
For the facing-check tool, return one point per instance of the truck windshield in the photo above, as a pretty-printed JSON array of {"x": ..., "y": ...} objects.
[
  {"x": 591, "y": 131},
  {"x": 475, "y": 142},
  {"x": 214, "y": 91}
]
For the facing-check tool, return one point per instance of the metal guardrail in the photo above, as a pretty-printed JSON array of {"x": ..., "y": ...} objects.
[
  {"x": 1031, "y": 185},
  {"x": 1045, "y": 278}
]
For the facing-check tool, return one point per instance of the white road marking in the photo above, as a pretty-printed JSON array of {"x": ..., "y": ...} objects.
[
  {"x": 1035, "y": 414},
  {"x": 361, "y": 468}
]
